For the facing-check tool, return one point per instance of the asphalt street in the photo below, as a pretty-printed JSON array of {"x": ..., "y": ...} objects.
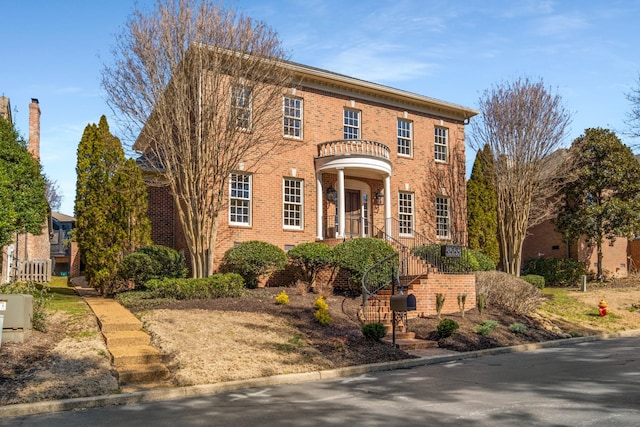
[{"x": 585, "y": 384}]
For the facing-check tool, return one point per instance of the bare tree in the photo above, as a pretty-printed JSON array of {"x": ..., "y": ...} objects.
[
  {"x": 52, "y": 193},
  {"x": 633, "y": 117},
  {"x": 201, "y": 88},
  {"x": 523, "y": 124}
]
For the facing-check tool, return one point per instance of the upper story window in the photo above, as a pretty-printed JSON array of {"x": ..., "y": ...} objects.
[
  {"x": 241, "y": 107},
  {"x": 405, "y": 213},
  {"x": 441, "y": 150},
  {"x": 292, "y": 117},
  {"x": 293, "y": 203},
  {"x": 240, "y": 199},
  {"x": 351, "y": 124},
  {"x": 405, "y": 137},
  {"x": 443, "y": 225}
]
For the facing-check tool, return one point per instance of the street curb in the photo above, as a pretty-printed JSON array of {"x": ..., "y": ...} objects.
[{"x": 163, "y": 394}]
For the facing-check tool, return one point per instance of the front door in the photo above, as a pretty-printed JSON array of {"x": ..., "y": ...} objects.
[{"x": 353, "y": 213}]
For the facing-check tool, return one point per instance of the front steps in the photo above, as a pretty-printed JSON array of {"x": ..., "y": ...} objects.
[{"x": 134, "y": 359}]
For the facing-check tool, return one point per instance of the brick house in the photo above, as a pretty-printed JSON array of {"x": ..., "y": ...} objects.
[
  {"x": 369, "y": 161},
  {"x": 28, "y": 253}
]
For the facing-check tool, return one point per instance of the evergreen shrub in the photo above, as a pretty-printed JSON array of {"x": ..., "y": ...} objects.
[
  {"x": 535, "y": 280},
  {"x": 253, "y": 259},
  {"x": 152, "y": 262},
  {"x": 556, "y": 271},
  {"x": 220, "y": 285},
  {"x": 356, "y": 256},
  {"x": 374, "y": 331},
  {"x": 446, "y": 328}
]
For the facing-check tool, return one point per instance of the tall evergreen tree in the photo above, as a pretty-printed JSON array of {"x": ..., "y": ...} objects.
[
  {"x": 109, "y": 208},
  {"x": 482, "y": 219},
  {"x": 603, "y": 201},
  {"x": 23, "y": 206}
]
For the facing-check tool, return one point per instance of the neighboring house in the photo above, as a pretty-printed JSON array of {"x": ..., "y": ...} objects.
[
  {"x": 619, "y": 258},
  {"x": 543, "y": 241},
  {"x": 64, "y": 252},
  {"x": 370, "y": 160},
  {"x": 27, "y": 257}
]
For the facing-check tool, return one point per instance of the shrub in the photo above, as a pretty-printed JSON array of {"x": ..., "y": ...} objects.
[
  {"x": 374, "y": 331},
  {"x": 535, "y": 280},
  {"x": 517, "y": 328},
  {"x": 462, "y": 300},
  {"x": 310, "y": 257},
  {"x": 446, "y": 328},
  {"x": 320, "y": 304},
  {"x": 152, "y": 262},
  {"x": 253, "y": 259},
  {"x": 282, "y": 298},
  {"x": 215, "y": 286},
  {"x": 440, "y": 298},
  {"x": 356, "y": 256},
  {"x": 41, "y": 298},
  {"x": 486, "y": 327},
  {"x": 481, "y": 303},
  {"x": 323, "y": 317},
  {"x": 508, "y": 292},
  {"x": 556, "y": 271},
  {"x": 484, "y": 262}
]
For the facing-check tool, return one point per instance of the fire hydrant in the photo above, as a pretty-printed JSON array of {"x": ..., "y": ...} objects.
[{"x": 603, "y": 308}]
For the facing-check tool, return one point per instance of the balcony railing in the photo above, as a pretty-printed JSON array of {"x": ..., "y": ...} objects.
[{"x": 348, "y": 147}]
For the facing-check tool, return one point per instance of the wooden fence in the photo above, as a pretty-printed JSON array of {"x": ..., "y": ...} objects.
[{"x": 34, "y": 270}]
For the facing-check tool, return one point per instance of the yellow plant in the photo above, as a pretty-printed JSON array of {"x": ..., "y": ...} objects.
[
  {"x": 323, "y": 317},
  {"x": 320, "y": 304},
  {"x": 282, "y": 298}
]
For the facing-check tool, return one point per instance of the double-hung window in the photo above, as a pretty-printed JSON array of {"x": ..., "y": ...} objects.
[
  {"x": 293, "y": 203},
  {"x": 241, "y": 107},
  {"x": 240, "y": 199},
  {"x": 351, "y": 124},
  {"x": 404, "y": 137},
  {"x": 441, "y": 147},
  {"x": 292, "y": 117},
  {"x": 405, "y": 213},
  {"x": 443, "y": 224}
]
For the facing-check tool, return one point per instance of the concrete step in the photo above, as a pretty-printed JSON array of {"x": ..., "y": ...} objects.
[
  {"x": 401, "y": 335},
  {"x": 143, "y": 373},
  {"x": 126, "y": 338},
  {"x": 134, "y": 355},
  {"x": 411, "y": 343}
]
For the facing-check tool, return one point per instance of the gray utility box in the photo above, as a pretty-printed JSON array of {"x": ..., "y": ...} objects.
[{"x": 17, "y": 310}]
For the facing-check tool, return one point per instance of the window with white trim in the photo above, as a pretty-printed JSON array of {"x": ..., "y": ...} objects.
[
  {"x": 405, "y": 213},
  {"x": 443, "y": 226},
  {"x": 292, "y": 117},
  {"x": 351, "y": 124},
  {"x": 404, "y": 137},
  {"x": 293, "y": 203},
  {"x": 240, "y": 199},
  {"x": 241, "y": 107},
  {"x": 441, "y": 147}
]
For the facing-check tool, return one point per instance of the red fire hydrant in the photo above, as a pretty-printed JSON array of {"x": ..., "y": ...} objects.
[{"x": 603, "y": 308}]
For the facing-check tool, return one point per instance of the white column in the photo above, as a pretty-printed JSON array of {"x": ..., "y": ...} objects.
[
  {"x": 319, "y": 207},
  {"x": 387, "y": 205},
  {"x": 341, "y": 207}
]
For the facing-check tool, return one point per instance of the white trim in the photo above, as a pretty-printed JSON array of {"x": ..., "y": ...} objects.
[{"x": 301, "y": 204}]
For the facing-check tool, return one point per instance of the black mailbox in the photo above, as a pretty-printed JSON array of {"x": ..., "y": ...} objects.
[{"x": 403, "y": 302}]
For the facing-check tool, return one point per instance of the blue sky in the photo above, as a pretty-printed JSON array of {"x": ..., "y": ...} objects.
[{"x": 586, "y": 50}]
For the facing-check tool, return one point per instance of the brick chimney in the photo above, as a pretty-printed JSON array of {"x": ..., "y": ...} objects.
[{"x": 34, "y": 128}]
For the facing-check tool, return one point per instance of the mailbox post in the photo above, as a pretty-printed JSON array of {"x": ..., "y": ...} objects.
[{"x": 400, "y": 303}]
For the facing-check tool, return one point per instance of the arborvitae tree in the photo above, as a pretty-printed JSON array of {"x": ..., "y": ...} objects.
[
  {"x": 23, "y": 207},
  {"x": 110, "y": 214},
  {"x": 482, "y": 219},
  {"x": 603, "y": 201},
  {"x": 133, "y": 202}
]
